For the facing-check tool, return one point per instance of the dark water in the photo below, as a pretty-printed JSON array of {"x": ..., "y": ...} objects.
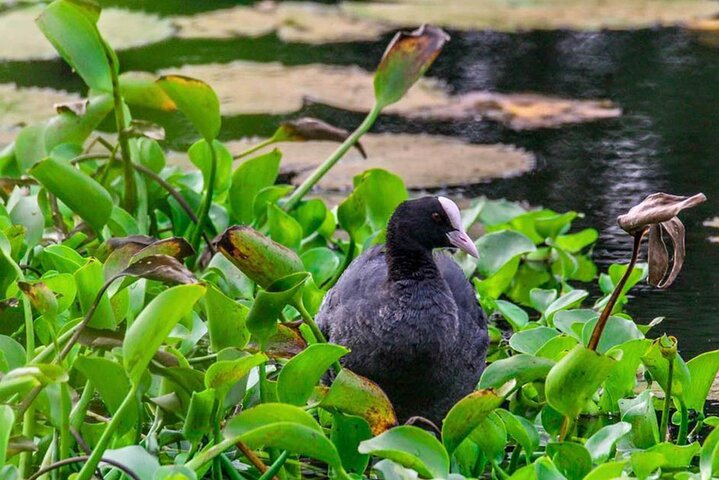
[{"x": 666, "y": 83}]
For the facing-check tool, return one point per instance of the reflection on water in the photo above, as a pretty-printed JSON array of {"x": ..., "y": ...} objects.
[{"x": 668, "y": 139}]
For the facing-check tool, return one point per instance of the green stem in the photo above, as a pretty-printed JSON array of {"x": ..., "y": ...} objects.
[
  {"x": 664, "y": 428},
  {"x": 683, "y": 425},
  {"x": 263, "y": 382},
  {"x": 77, "y": 415},
  {"x": 28, "y": 422},
  {"x": 229, "y": 469},
  {"x": 275, "y": 467},
  {"x": 604, "y": 317},
  {"x": 206, "y": 455},
  {"x": 130, "y": 200},
  {"x": 217, "y": 461},
  {"x": 89, "y": 467},
  {"x": 307, "y": 318},
  {"x": 253, "y": 149},
  {"x": 321, "y": 170},
  {"x": 206, "y": 201}
]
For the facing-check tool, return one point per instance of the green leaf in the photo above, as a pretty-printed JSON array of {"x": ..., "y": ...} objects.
[
  {"x": 322, "y": 263},
  {"x": 515, "y": 315},
  {"x": 154, "y": 324},
  {"x": 200, "y": 413},
  {"x": 531, "y": 340},
  {"x": 709, "y": 457},
  {"x": 572, "y": 459},
  {"x": 140, "y": 89},
  {"x": 521, "y": 368},
  {"x": 248, "y": 180},
  {"x": 601, "y": 443},
  {"x": 13, "y": 352},
  {"x": 136, "y": 459},
  {"x": 702, "y": 371},
  {"x": 310, "y": 214},
  {"x": 282, "y": 426},
  {"x": 356, "y": 395},
  {"x": 521, "y": 429},
  {"x": 640, "y": 413},
  {"x": 666, "y": 456},
  {"x": 540, "y": 299},
  {"x": 299, "y": 376},
  {"x": 174, "y": 472},
  {"x": 490, "y": 435},
  {"x": 410, "y": 447},
  {"x": 572, "y": 382},
  {"x": 257, "y": 256},
  {"x": 407, "y": 57},
  {"x": 607, "y": 471},
  {"x": 283, "y": 228},
  {"x": 623, "y": 379},
  {"x": 347, "y": 433},
  {"x": 466, "y": 414},
  {"x": 498, "y": 248},
  {"x": 226, "y": 320},
  {"x": 576, "y": 242},
  {"x": 89, "y": 281},
  {"x": 572, "y": 322},
  {"x": 76, "y": 38},
  {"x": 658, "y": 366},
  {"x": 7, "y": 420},
  {"x": 201, "y": 156},
  {"x": 617, "y": 331},
  {"x": 269, "y": 303},
  {"x": 82, "y": 194},
  {"x": 222, "y": 375},
  {"x": 197, "y": 101},
  {"x": 564, "y": 302},
  {"x": 24, "y": 378}
]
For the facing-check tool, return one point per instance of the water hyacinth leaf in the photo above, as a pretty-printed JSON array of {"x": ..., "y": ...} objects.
[
  {"x": 521, "y": 429},
  {"x": 226, "y": 320},
  {"x": 617, "y": 331},
  {"x": 572, "y": 321},
  {"x": 515, "y": 315},
  {"x": 540, "y": 298},
  {"x": 702, "y": 372},
  {"x": 299, "y": 376},
  {"x": 466, "y": 414},
  {"x": 24, "y": 378},
  {"x": 174, "y": 472},
  {"x": 575, "y": 378},
  {"x": 639, "y": 412},
  {"x": 356, "y": 395},
  {"x": 198, "y": 421},
  {"x": 658, "y": 366},
  {"x": 663, "y": 455},
  {"x": 152, "y": 326},
  {"x": 89, "y": 281},
  {"x": 322, "y": 263},
  {"x": 176, "y": 247},
  {"x": 196, "y": 100},
  {"x": 141, "y": 90},
  {"x": 410, "y": 447},
  {"x": 564, "y": 302},
  {"x": 257, "y": 256},
  {"x": 623, "y": 379},
  {"x": 307, "y": 128},
  {"x": 82, "y": 194},
  {"x": 283, "y": 228},
  {"x": 41, "y": 298},
  {"x": 76, "y": 38},
  {"x": 490, "y": 435},
  {"x": 285, "y": 343},
  {"x": 282, "y": 426},
  {"x": 13, "y": 353},
  {"x": 572, "y": 459},
  {"x": 7, "y": 420},
  {"x": 607, "y": 470},
  {"x": 531, "y": 340},
  {"x": 136, "y": 458},
  {"x": 161, "y": 268},
  {"x": 347, "y": 433},
  {"x": 655, "y": 209},
  {"x": 709, "y": 456},
  {"x": 200, "y": 155},
  {"x": 222, "y": 375},
  {"x": 406, "y": 59},
  {"x": 498, "y": 248},
  {"x": 557, "y": 347},
  {"x": 269, "y": 303},
  {"x": 311, "y": 214},
  {"x": 522, "y": 368},
  {"x": 248, "y": 179},
  {"x": 576, "y": 242},
  {"x": 601, "y": 443}
]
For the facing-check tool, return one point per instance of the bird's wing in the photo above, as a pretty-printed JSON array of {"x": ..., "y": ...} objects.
[
  {"x": 363, "y": 282},
  {"x": 461, "y": 289}
]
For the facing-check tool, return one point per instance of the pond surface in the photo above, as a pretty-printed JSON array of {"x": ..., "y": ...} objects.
[{"x": 666, "y": 83}]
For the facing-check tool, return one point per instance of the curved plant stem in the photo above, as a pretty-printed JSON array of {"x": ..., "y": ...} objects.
[
  {"x": 229, "y": 469},
  {"x": 130, "y": 200},
  {"x": 683, "y": 425},
  {"x": 71, "y": 460},
  {"x": 104, "y": 441},
  {"x": 307, "y": 318},
  {"x": 664, "y": 428},
  {"x": 252, "y": 457},
  {"x": 604, "y": 317},
  {"x": 28, "y": 413},
  {"x": 566, "y": 427},
  {"x": 207, "y": 201},
  {"x": 321, "y": 170},
  {"x": 275, "y": 467},
  {"x": 254, "y": 148}
]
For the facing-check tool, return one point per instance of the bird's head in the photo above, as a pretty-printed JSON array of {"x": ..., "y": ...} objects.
[{"x": 428, "y": 223}]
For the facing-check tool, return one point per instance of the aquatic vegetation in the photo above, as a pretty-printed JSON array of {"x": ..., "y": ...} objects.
[{"x": 161, "y": 323}]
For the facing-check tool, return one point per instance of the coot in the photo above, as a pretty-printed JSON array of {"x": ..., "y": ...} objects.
[{"x": 408, "y": 314}]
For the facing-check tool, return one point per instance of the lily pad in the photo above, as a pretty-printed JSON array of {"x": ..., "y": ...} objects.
[
  {"x": 304, "y": 22},
  {"x": 24, "y": 105},
  {"x": 413, "y": 157},
  {"x": 518, "y": 15},
  {"x": 122, "y": 29}
]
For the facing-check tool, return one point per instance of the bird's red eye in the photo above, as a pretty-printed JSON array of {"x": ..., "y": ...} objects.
[{"x": 437, "y": 217}]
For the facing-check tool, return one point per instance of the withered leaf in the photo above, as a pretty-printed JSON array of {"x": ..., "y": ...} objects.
[
  {"x": 163, "y": 268},
  {"x": 143, "y": 128},
  {"x": 655, "y": 209},
  {"x": 176, "y": 247},
  {"x": 675, "y": 229},
  {"x": 77, "y": 107},
  {"x": 307, "y": 128},
  {"x": 286, "y": 343},
  {"x": 407, "y": 57},
  {"x": 658, "y": 256}
]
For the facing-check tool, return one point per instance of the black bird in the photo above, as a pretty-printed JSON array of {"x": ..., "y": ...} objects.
[{"x": 408, "y": 315}]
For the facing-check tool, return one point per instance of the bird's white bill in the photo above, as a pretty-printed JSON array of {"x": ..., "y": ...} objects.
[{"x": 461, "y": 240}]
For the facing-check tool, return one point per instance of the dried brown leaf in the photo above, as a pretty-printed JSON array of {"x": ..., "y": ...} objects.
[
  {"x": 308, "y": 128},
  {"x": 675, "y": 229},
  {"x": 658, "y": 256},
  {"x": 655, "y": 209},
  {"x": 163, "y": 268}
]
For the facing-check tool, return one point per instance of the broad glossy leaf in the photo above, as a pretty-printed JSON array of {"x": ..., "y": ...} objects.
[
  {"x": 174, "y": 472},
  {"x": 410, "y": 447},
  {"x": 201, "y": 156},
  {"x": 576, "y": 242},
  {"x": 222, "y": 375},
  {"x": 522, "y": 368},
  {"x": 299, "y": 376},
  {"x": 196, "y": 100},
  {"x": 540, "y": 298},
  {"x": 529, "y": 341},
  {"x": 622, "y": 379},
  {"x": 89, "y": 281},
  {"x": 356, "y": 395},
  {"x": 76, "y": 38},
  {"x": 607, "y": 471},
  {"x": 663, "y": 455},
  {"x": 269, "y": 303},
  {"x": 257, "y": 256},
  {"x": 283, "y": 228},
  {"x": 7, "y": 420},
  {"x": 347, "y": 433},
  {"x": 617, "y": 331},
  {"x": 515, "y": 315},
  {"x": 639, "y": 412},
  {"x": 13, "y": 353},
  {"x": 702, "y": 370},
  {"x": 250, "y": 177},
  {"x": 140, "y": 89},
  {"x": 226, "y": 320},
  {"x": 407, "y": 57},
  {"x": 658, "y": 366},
  {"x": 521, "y": 429},
  {"x": 572, "y": 459},
  {"x": 466, "y": 415},
  {"x": 575, "y": 378},
  {"x": 498, "y": 248},
  {"x": 601, "y": 443},
  {"x": 572, "y": 322},
  {"x": 82, "y": 194},
  {"x": 282, "y": 426},
  {"x": 709, "y": 457},
  {"x": 24, "y": 378},
  {"x": 490, "y": 435},
  {"x": 154, "y": 323},
  {"x": 564, "y": 302},
  {"x": 199, "y": 419},
  {"x": 322, "y": 263},
  {"x": 136, "y": 459}
]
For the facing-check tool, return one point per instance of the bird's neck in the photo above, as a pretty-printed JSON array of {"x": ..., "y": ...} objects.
[{"x": 410, "y": 262}]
